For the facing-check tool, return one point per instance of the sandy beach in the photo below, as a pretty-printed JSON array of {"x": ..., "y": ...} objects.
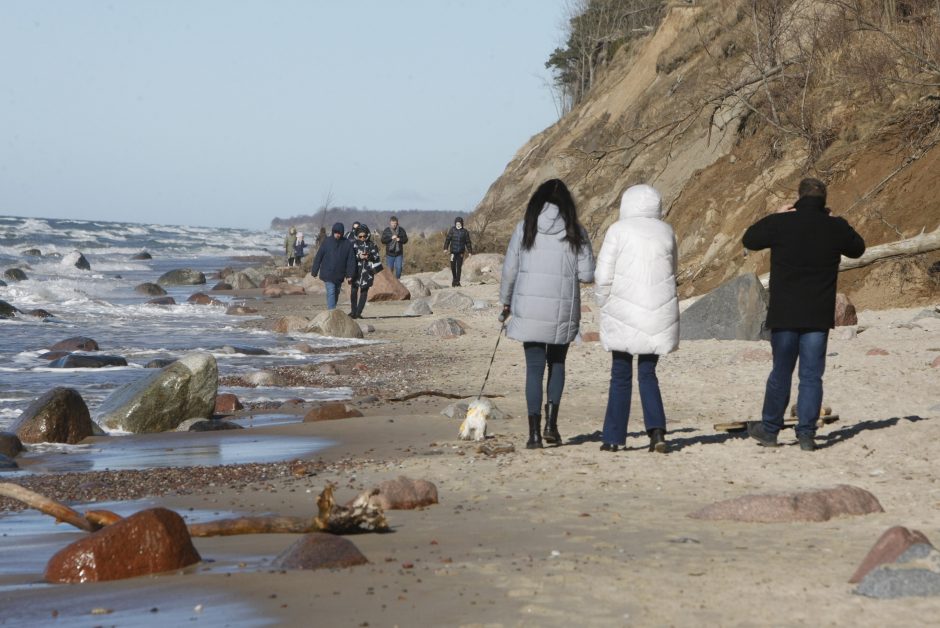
[{"x": 559, "y": 535}]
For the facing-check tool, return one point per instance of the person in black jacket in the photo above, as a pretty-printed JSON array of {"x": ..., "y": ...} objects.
[
  {"x": 368, "y": 263},
  {"x": 457, "y": 242},
  {"x": 334, "y": 262},
  {"x": 394, "y": 238},
  {"x": 805, "y": 245}
]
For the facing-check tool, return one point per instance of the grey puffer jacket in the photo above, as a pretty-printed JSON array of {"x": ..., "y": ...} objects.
[{"x": 541, "y": 284}]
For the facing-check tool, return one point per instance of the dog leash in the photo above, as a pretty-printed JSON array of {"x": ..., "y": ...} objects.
[{"x": 502, "y": 327}]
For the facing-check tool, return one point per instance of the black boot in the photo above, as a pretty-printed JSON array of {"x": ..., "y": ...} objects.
[
  {"x": 658, "y": 441},
  {"x": 551, "y": 434},
  {"x": 535, "y": 439}
]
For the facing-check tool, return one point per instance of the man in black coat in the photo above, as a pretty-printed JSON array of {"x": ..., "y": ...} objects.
[
  {"x": 806, "y": 245},
  {"x": 457, "y": 242},
  {"x": 335, "y": 261},
  {"x": 394, "y": 238}
]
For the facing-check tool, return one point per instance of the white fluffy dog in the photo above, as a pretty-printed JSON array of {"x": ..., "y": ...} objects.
[{"x": 474, "y": 426}]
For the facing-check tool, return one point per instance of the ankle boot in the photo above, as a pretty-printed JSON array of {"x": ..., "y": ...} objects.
[
  {"x": 535, "y": 439},
  {"x": 658, "y": 441},
  {"x": 551, "y": 434}
]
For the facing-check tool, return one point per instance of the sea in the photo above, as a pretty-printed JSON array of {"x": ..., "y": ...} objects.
[{"x": 102, "y": 304}]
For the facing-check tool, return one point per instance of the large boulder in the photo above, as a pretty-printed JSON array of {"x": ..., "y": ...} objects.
[
  {"x": 735, "y": 310},
  {"x": 15, "y": 274},
  {"x": 446, "y": 328},
  {"x": 418, "y": 307},
  {"x": 416, "y": 287},
  {"x": 167, "y": 300},
  {"x": 227, "y": 403},
  {"x": 32, "y": 253},
  {"x": 7, "y": 310},
  {"x": 915, "y": 573},
  {"x": 404, "y": 494},
  {"x": 76, "y": 259},
  {"x": 387, "y": 287},
  {"x": 451, "y": 300},
  {"x": 313, "y": 285},
  {"x": 148, "y": 542},
  {"x": 335, "y": 323},
  {"x": 201, "y": 298},
  {"x": 75, "y": 343},
  {"x": 889, "y": 546},
  {"x": 143, "y": 255},
  {"x": 59, "y": 416},
  {"x": 81, "y": 361},
  {"x": 320, "y": 551},
  {"x": 150, "y": 289},
  {"x": 483, "y": 267},
  {"x": 182, "y": 277},
  {"x": 10, "y": 444},
  {"x": 814, "y": 505},
  {"x": 242, "y": 280},
  {"x": 160, "y": 401}
]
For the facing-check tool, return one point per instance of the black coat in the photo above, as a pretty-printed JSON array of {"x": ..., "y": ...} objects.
[
  {"x": 366, "y": 269},
  {"x": 458, "y": 241},
  {"x": 335, "y": 260},
  {"x": 392, "y": 248},
  {"x": 805, "y": 248}
]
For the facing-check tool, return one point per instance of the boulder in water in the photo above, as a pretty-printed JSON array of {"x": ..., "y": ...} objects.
[
  {"x": 207, "y": 425},
  {"x": 244, "y": 350},
  {"x": 32, "y": 253},
  {"x": 15, "y": 274},
  {"x": 142, "y": 255},
  {"x": 81, "y": 361},
  {"x": 736, "y": 310},
  {"x": 10, "y": 444},
  {"x": 221, "y": 286},
  {"x": 150, "y": 289},
  {"x": 2, "y": 283},
  {"x": 7, "y": 310},
  {"x": 335, "y": 323},
  {"x": 162, "y": 301},
  {"x": 7, "y": 463},
  {"x": 59, "y": 416},
  {"x": 241, "y": 281},
  {"x": 76, "y": 343},
  {"x": 159, "y": 363},
  {"x": 40, "y": 313},
  {"x": 182, "y": 277},
  {"x": 76, "y": 259},
  {"x": 201, "y": 298},
  {"x": 53, "y": 355},
  {"x": 160, "y": 401}
]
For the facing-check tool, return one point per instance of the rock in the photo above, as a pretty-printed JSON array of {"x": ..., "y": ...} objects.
[
  {"x": 53, "y": 355},
  {"x": 40, "y": 313},
  {"x": 182, "y": 277},
  {"x": 458, "y": 410},
  {"x": 240, "y": 310},
  {"x": 877, "y": 351},
  {"x": 76, "y": 343},
  {"x": 227, "y": 403},
  {"x": 76, "y": 259},
  {"x": 305, "y": 347},
  {"x": 936, "y": 362},
  {"x": 162, "y": 301},
  {"x": 148, "y": 542},
  {"x": 485, "y": 267},
  {"x": 284, "y": 289},
  {"x": 755, "y": 355},
  {"x": 419, "y": 307},
  {"x": 312, "y": 285},
  {"x": 207, "y": 425},
  {"x": 366, "y": 328},
  {"x": 242, "y": 281},
  {"x": 7, "y": 310},
  {"x": 335, "y": 323},
  {"x": 416, "y": 287},
  {"x": 272, "y": 280},
  {"x": 2, "y": 283},
  {"x": 446, "y": 328},
  {"x": 387, "y": 287},
  {"x": 7, "y": 463},
  {"x": 320, "y": 551},
  {"x": 222, "y": 286},
  {"x": 405, "y": 494},
  {"x": 591, "y": 336},
  {"x": 10, "y": 444},
  {"x": 735, "y": 310},
  {"x": 159, "y": 363},
  {"x": 201, "y": 298},
  {"x": 291, "y": 324},
  {"x": 916, "y": 573},
  {"x": 32, "y": 253},
  {"x": 232, "y": 349},
  {"x": 142, "y": 256},
  {"x": 451, "y": 300},
  {"x": 845, "y": 311},
  {"x": 59, "y": 416},
  {"x": 81, "y": 361},
  {"x": 162, "y": 400},
  {"x": 327, "y": 369},
  {"x": 847, "y": 333},
  {"x": 15, "y": 274},
  {"x": 928, "y": 312},
  {"x": 261, "y": 378},
  {"x": 150, "y": 289},
  {"x": 889, "y": 546},
  {"x": 330, "y": 412},
  {"x": 814, "y": 505}
]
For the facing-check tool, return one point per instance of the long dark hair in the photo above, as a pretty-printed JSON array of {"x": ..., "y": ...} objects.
[{"x": 553, "y": 191}]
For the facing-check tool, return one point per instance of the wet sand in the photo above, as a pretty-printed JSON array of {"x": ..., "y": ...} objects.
[{"x": 569, "y": 534}]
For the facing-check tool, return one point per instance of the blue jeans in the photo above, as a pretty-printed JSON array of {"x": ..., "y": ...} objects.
[
  {"x": 809, "y": 345},
  {"x": 618, "y": 398},
  {"x": 332, "y": 293},
  {"x": 394, "y": 263},
  {"x": 537, "y": 355}
]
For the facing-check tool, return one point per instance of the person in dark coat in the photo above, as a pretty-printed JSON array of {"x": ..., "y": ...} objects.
[
  {"x": 368, "y": 263},
  {"x": 394, "y": 238},
  {"x": 334, "y": 262},
  {"x": 351, "y": 234},
  {"x": 299, "y": 246},
  {"x": 457, "y": 243},
  {"x": 805, "y": 244}
]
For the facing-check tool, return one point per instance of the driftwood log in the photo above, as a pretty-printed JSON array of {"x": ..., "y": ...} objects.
[{"x": 51, "y": 507}]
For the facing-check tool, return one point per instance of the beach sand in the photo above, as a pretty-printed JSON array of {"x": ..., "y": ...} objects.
[{"x": 563, "y": 535}]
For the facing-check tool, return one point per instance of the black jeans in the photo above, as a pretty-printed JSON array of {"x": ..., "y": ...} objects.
[
  {"x": 357, "y": 299},
  {"x": 537, "y": 355},
  {"x": 456, "y": 263}
]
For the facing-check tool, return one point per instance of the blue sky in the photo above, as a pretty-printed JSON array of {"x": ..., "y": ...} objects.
[{"x": 232, "y": 112}]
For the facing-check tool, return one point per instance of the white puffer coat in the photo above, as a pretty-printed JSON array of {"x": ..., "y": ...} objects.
[{"x": 635, "y": 278}]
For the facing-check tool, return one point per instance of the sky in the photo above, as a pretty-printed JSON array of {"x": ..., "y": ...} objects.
[{"x": 233, "y": 112}]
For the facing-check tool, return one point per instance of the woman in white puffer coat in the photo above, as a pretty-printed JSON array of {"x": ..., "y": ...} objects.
[{"x": 635, "y": 287}]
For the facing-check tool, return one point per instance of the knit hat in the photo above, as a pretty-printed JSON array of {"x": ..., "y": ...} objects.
[
  {"x": 458, "y": 219},
  {"x": 338, "y": 228}
]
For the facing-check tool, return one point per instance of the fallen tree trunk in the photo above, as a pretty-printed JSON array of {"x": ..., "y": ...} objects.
[{"x": 47, "y": 506}]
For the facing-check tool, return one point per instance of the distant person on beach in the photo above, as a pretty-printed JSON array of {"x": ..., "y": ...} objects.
[
  {"x": 299, "y": 246},
  {"x": 805, "y": 244},
  {"x": 368, "y": 263},
  {"x": 635, "y": 288},
  {"x": 457, "y": 243},
  {"x": 334, "y": 262},
  {"x": 394, "y": 238},
  {"x": 289, "y": 240},
  {"x": 549, "y": 254},
  {"x": 351, "y": 234}
]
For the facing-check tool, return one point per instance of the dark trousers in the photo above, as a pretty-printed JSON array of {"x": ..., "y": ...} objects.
[
  {"x": 809, "y": 345},
  {"x": 357, "y": 299},
  {"x": 621, "y": 388},
  {"x": 456, "y": 263},
  {"x": 537, "y": 355}
]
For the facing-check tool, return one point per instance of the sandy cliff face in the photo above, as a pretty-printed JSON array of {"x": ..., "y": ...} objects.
[{"x": 683, "y": 109}]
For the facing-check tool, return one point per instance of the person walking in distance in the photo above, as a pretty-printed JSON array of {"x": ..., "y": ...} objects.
[
  {"x": 299, "y": 246},
  {"x": 368, "y": 263},
  {"x": 394, "y": 238},
  {"x": 549, "y": 255},
  {"x": 806, "y": 244},
  {"x": 457, "y": 243},
  {"x": 334, "y": 262},
  {"x": 289, "y": 240},
  {"x": 635, "y": 288}
]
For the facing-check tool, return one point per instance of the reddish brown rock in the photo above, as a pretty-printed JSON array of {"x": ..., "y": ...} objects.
[
  {"x": 59, "y": 416},
  {"x": 150, "y": 541},
  {"x": 240, "y": 310},
  {"x": 10, "y": 444},
  {"x": 815, "y": 505},
  {"x": 78, "y": 343},
  {"x": 227, "y": 403},
  {"x": 845, "y": 311},
  {"x": 201, "y": 298},
  {"x": 39, "y": 313},
  {"x": 591, "y": 336},
  {"x": 320, "y": 551},
  {"x": 877, "y": 351},
  {"x": 330, "y": 412},
  {"x": 887, "y": 549},
  {"x": 405, "y": 494},
  {"x": 53, "y": 355},
  {"x": 387, "y": 287}
]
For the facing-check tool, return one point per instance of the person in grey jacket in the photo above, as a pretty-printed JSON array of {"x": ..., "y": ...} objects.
[{"x": 549, "y": 254}]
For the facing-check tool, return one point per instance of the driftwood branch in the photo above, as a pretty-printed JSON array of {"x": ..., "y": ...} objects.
[
  {"x": 47, "y": 506},
  {"x": 435, "y": 393}
]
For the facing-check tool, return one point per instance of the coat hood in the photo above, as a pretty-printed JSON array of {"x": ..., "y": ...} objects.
[
  {"x": 550, "y": 220},
  {"x": 338, "y": 228},
  {"x": 641, "y": 201}
]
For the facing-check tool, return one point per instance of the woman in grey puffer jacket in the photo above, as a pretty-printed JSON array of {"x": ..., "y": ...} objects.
[{"x": 549, "y": 254}]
